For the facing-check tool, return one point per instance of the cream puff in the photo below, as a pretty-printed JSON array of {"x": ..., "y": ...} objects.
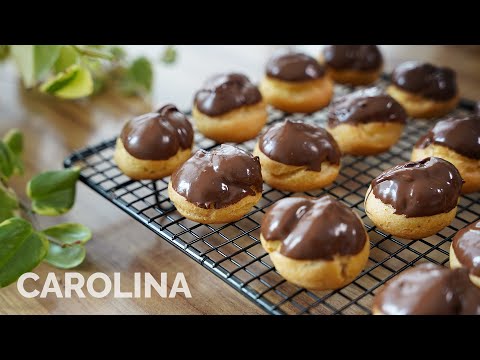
[
  {"x": 353, "y": 64},
  {"x": 318, "y": 244},
  {"x": 465, "y": 251},
  {"x": 229, "y": 108},
  {"x": 295, "y": 82},
  {"x": 153, "y": 145},
  {"x": 296, "y": 156},
  {"x": 217, "y": 186},
  {"x": 424, "y": 90},
  {"x": 416, "y": 199},
  {"x": 456, "y": 140},
  {"x": 428, "y": 289},
  {"x": 366, "y": 122}
]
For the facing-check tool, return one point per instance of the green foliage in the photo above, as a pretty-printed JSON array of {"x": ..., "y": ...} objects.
[
  {"x": 67, "y": 251},
  {"x": 69, "y": 234},
  {"x": 8, "y": 203},
  {"x": 169, "y": 55},
  {"x": 22, "y": 247},
  {"x": 34, "y": 61},
  {"x": 77, "y": 71},
  {"x": 73, "y": 83},
  {"x": 138, "y": 78},
  {"x": 53, "y": 192}
]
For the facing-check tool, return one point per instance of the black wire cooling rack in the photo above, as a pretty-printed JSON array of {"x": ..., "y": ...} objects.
[{"x": 233, "y": 251}]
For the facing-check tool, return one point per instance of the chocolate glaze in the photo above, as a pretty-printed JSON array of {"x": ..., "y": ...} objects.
[
  {"x": 423, "y": 188},
  {"x": 293, "y": 66},
  {"x": 427, "y": 80},
  {"x": 314, "y": 229},
  {"x": 466, "y": 245},
  {"x": 354, "y": 57},
  {"x": 157, "y": 136},
  {"x": 429, "y": 289},
  {"x": 226, "y": 92},
  {"x": 363, "y": 106},
  {"x": 461, "y": 135},
  {"x": 299, "y": 144},
  {"x": 218, "y": 178}
]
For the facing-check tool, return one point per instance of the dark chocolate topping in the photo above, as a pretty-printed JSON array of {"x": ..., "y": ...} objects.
[
  {"x": 461, "y": 135},
  {"x": 363, "y": 106},
  {"x": 423, "y": 188},
  {"x": 157, "y": 136},
  {"x": 299, "y": 144},
  {"x": 292, "y": 66},
  {"x": 218, "y": 178},
  {"x": 314, "y": 229},
  {"x": 427, "y": 80},
  {"x": 429, "y": 289},
  {"x": 466, "y": 245},
  {"x": 354, "y": 57},
  {"x": 226, "y": 92}
]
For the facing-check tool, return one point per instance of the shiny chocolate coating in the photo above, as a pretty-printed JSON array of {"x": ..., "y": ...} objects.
[
  {"x": 294, "y": 66},
  {"x": 157, "y": 135},
  {"x": 461, "y": 135},
  {"x": 423, "y": 188},
  {"x": 429, "y": 289},
  {"x": 427, "y": 80},
  {"x": 218, "y": 178},
  {"x": 299, "y": 144},
  {"x": 226, "y": 92},
  {"x": 314, "y": 229},
  {"x": 466, "y": 245},
  {"x": 364, "y": 106},
  {"x": 353, "y": 57}
]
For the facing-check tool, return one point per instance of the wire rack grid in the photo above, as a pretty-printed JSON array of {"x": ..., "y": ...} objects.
[{"x": 233, "y": 251}]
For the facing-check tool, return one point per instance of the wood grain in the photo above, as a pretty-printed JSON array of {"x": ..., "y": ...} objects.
[{"x": 54, "y": 128}]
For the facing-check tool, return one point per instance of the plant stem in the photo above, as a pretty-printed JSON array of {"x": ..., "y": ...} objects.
[
  {"x": 92, "y": 53},
  {"x": 33, "y": 219}
]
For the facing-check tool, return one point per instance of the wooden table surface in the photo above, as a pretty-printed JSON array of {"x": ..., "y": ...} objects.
[{"x": 54, "y": 128}]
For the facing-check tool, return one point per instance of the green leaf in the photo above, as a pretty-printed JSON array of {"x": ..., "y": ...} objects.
[
  {"x": 21, "y": 249},
  {"x": 68, "y": 57},
  {"x": 69, "y": 233},
  {"x": 7, "y": 161},
  {"x": 169, "y": 55},
  {"x": 118, "y": 53},
  {"x": 53, "y": 192},
  {"x": 34, "y": 61},
  {"x": 14, "y": 141},
  {"x": 8, "y": 204},
  {"x": 4, "y": 52},
  {"x": 75, "y": 82},
  {"x": 139, "y": 77},
  {"x": 65, "y": 257}
]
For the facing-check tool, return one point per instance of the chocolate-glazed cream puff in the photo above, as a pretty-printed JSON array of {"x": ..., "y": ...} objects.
[
  {"x": 217, "y": 186},
  {"x": 465, "y": 251},
  {"x": 153, "y": 145},
  {"x": 296, "y": 156},
  {"x": 229, "y": 108},
  {"x": 428, "y": 289},
  {"x": 416, "y": 199},
  {"x": 366, "y": 122},
  {"x": 352, "y": 64},
  {"x": 315, "y": 243},
  {"x": 296, "y": 82},
  {"x": 456, "y": 140},
  {"x": 424, "y": 90}
]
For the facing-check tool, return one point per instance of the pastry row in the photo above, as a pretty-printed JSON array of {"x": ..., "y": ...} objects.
[{"x": 413, "y": 200}]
